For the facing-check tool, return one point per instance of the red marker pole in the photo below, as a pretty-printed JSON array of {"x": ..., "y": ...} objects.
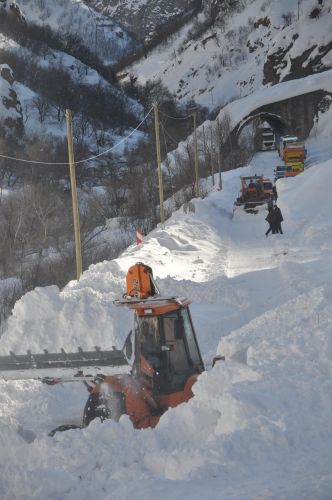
[{"x": 139, "y": 237}]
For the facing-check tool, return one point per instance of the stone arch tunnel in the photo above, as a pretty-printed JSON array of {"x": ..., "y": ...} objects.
[
  {"x": 276, "y": 122},
  {"x": 295, "y": 115}
]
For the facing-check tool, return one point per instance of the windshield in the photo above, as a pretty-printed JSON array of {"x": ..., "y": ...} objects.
[
  {"x": 252, "y": 182},
  {"x": 289, "y": 139},
  {"x": 169, "y": 345}
]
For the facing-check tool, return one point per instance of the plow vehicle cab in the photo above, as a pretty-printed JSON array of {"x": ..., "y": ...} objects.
[
  {"x": 155, "y": 370},
  {"x": 166, "y": 364}
]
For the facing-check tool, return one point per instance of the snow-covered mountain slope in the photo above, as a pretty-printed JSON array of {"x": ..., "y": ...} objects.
[
  {"x": 259, "y": 425},
  {"x": 266, "y": 42},
  {"x": 302, "y": 48},
  {"x": 42, "y": 105},
  {"x": 61, "y": 54},
  {"x": 100, "y": 33},
  {"x": 145, "y": 17},
  {"x": 80, "y": 74}
]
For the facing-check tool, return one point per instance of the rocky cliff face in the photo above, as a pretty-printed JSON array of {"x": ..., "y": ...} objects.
[
  {"x": 145, "y": 17},
  {"x": 302, "y": 48},
  {"x": 10, "y": 106}
]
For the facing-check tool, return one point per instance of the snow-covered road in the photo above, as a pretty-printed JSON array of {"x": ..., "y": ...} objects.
[{"x": 259, "y": 425}]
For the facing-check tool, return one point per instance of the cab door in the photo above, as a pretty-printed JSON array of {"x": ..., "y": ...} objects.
[{"x": 180, "y": 353}]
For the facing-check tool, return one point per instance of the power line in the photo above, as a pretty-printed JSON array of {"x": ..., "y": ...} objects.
[
  {"x": 175, "y": 117},
  {"x": 166, "y": 133},
  {"x": 86, "y": 159}
]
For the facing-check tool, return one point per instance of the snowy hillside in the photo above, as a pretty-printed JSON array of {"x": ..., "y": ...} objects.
[
  {"x": 33, "y": 101},
  {"x": 259, "y": 425},
  {"x": 266, "y": 42},
  {"x": 61, "y": 54},
  {"x": 99, "y": 32},
  {"x": 145, "y": 17}
]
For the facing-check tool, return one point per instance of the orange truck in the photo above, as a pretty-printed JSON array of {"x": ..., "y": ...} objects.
[
  {"x": 284, "y": 141},
  {"x": 291, "y": 172},
  {"x": 294, "y": 155}
]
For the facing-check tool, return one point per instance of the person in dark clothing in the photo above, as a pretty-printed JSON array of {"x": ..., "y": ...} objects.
[
  {"x": 278, "y": 218},
  {"x": 270, "y": 202},
  {"x": 275, "y": 194},
  {"x": 270, "y": 218}
]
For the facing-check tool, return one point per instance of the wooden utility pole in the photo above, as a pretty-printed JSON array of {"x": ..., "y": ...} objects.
[
  {"x": 196, "y": 155},
  {"x": 219, "y": 153},
  {"x": 160, "y": 174},
  {"x": 74, "y": 195},
  {"x": 211, "y": 156},
  {"x": 206, "y": 154}
]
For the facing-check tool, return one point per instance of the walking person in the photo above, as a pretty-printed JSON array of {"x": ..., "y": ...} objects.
[
  {"x": 270, "y": 202},
  {"x": 275, "y": 194},
  {"x": 270, "y": 218},
  {"x": 278, "y": 219}
]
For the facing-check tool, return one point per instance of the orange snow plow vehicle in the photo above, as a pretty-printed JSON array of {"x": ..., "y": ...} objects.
[
  {"x": 155, "y": 370},
  {"x": 252, "y": 193}
]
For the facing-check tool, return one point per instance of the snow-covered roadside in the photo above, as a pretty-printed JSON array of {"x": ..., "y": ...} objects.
[{"x": 259, "y": 425}]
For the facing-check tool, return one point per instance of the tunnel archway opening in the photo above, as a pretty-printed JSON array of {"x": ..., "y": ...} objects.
[
  {"x": 278, "y": 124},
  {"x": 248, "y": 128}
]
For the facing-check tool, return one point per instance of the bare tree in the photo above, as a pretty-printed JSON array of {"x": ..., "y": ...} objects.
[{"x": 42, "y": 106}]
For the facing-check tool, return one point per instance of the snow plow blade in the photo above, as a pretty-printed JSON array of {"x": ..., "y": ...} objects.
[{"x": 63, "y": 366}]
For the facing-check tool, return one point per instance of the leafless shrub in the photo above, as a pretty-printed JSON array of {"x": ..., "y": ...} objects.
[{"x": 288, "y": 18}]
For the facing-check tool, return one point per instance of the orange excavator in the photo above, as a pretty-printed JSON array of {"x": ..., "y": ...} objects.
[{"x": 155, "y": 370}]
